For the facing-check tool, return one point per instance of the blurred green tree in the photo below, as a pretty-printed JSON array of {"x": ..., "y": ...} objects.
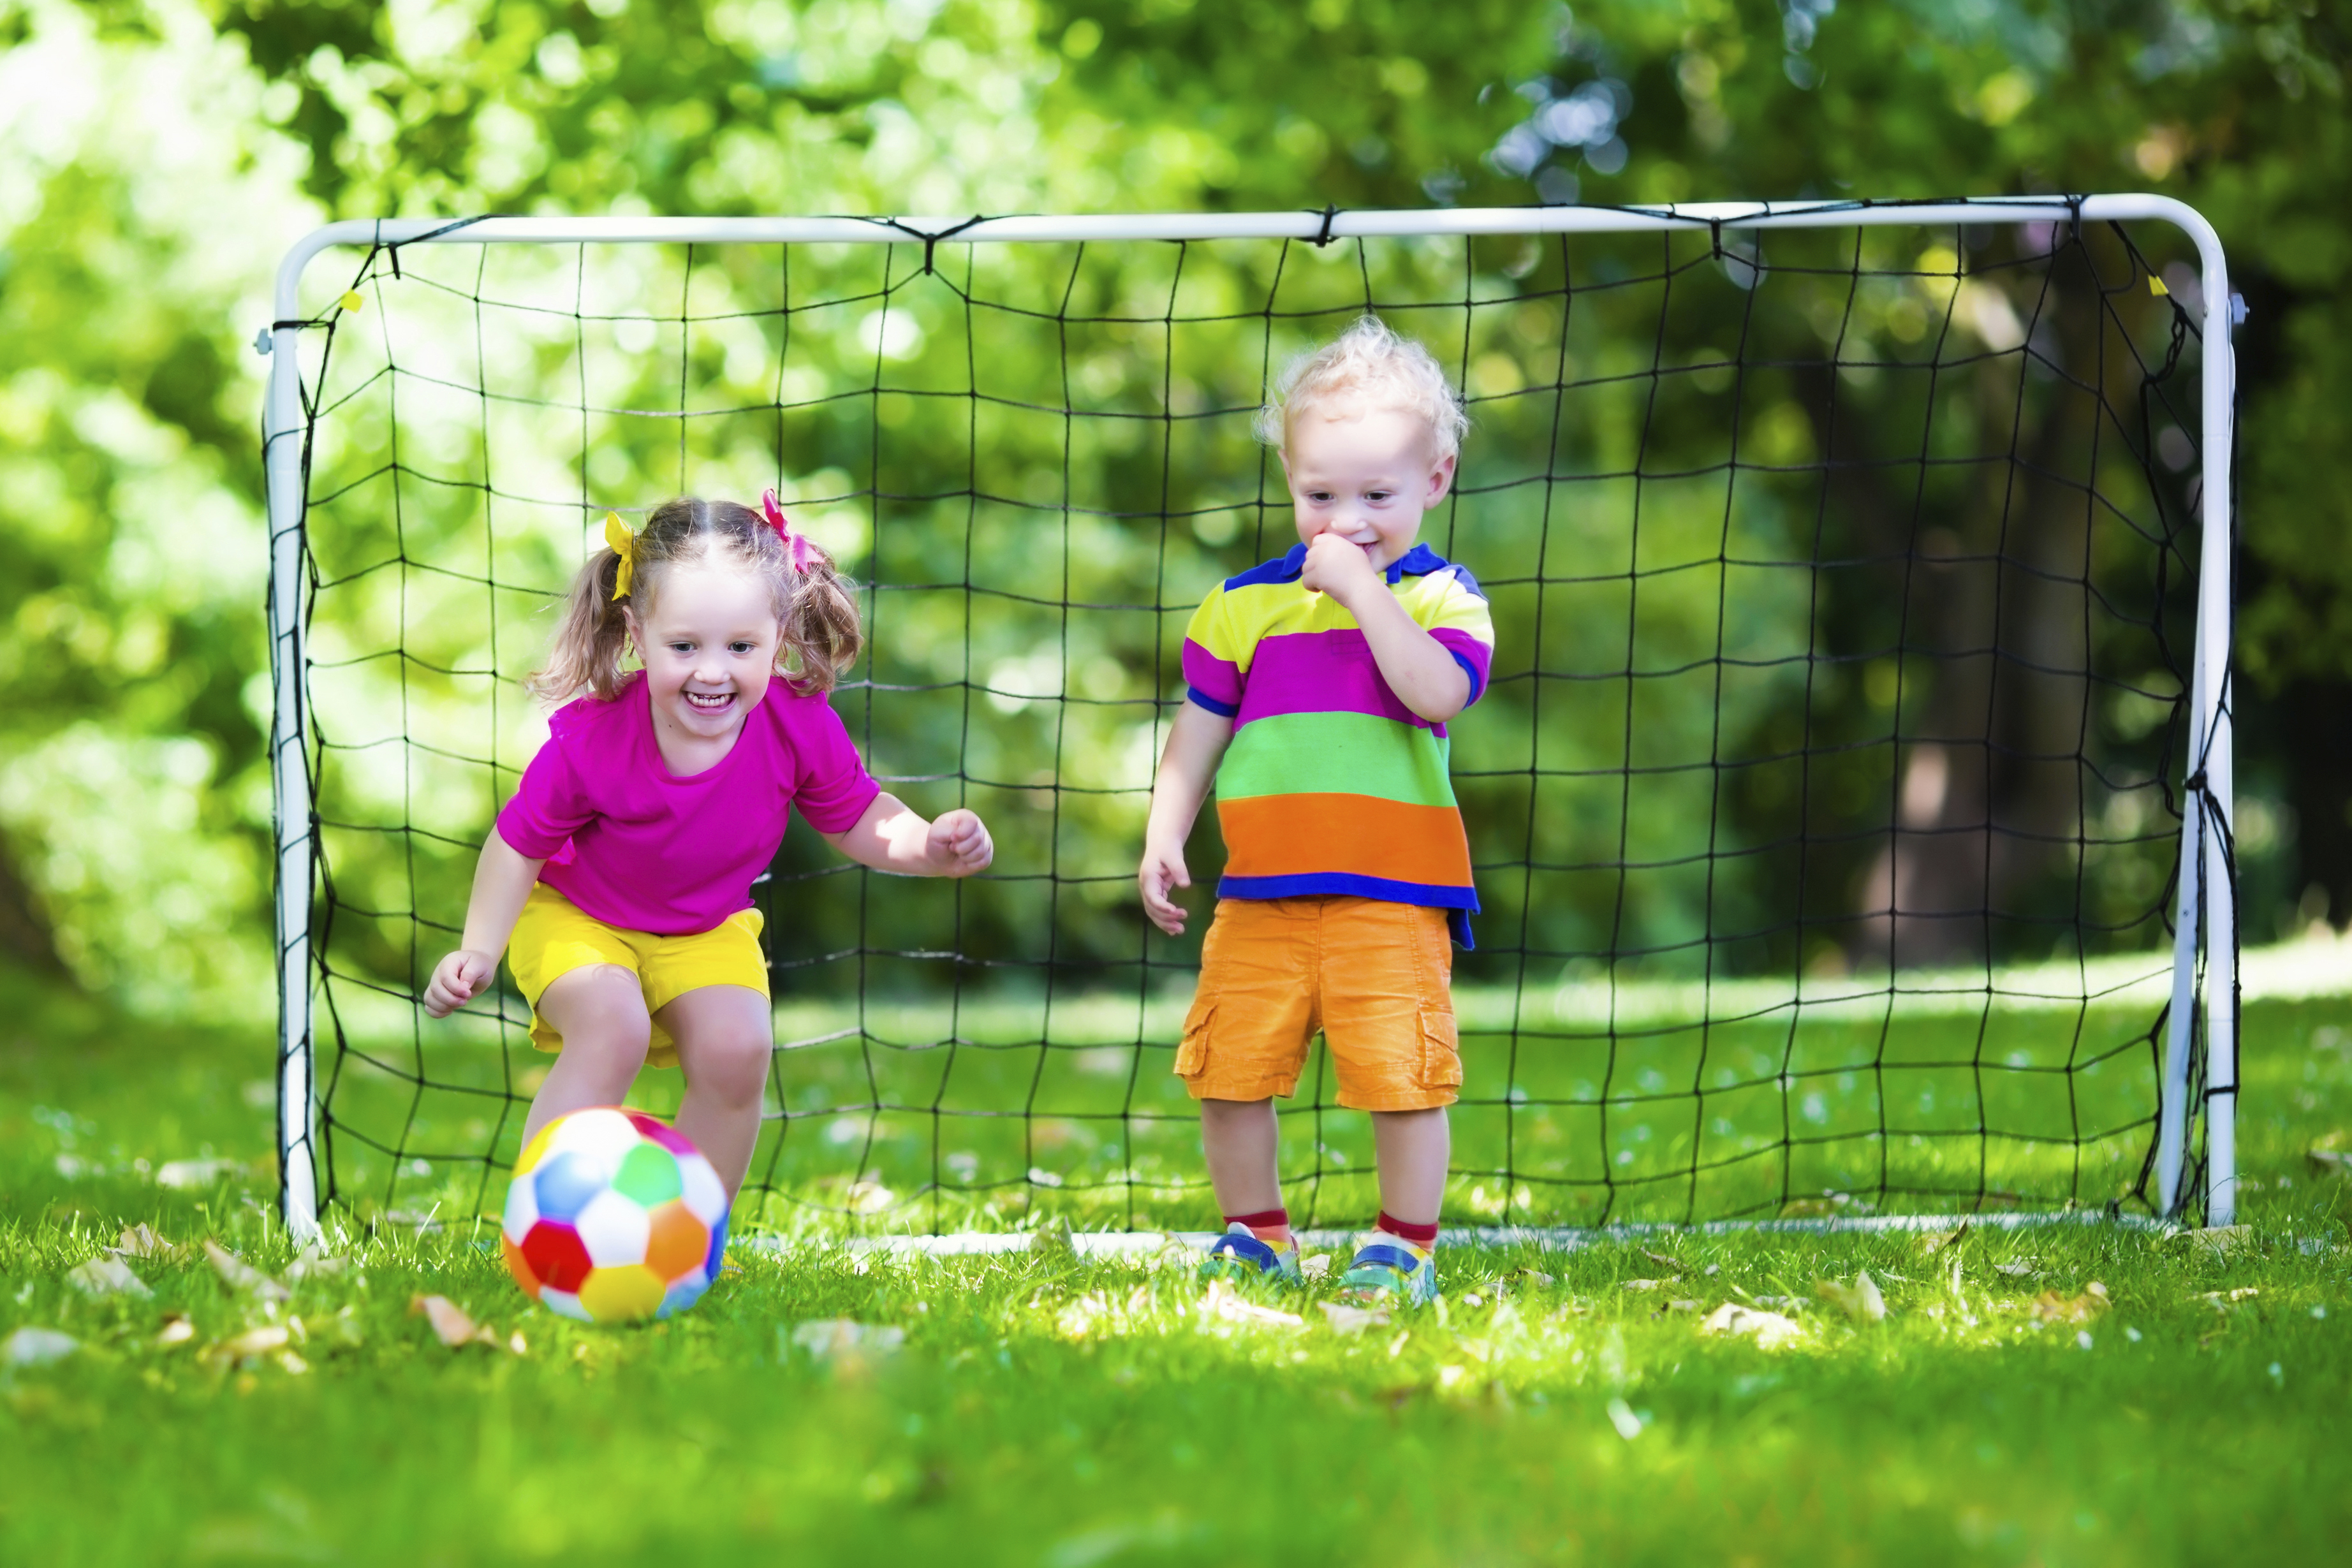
[{"x": 155, "y": 155}]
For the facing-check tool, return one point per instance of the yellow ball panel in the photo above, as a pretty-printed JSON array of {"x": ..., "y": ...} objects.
[{"x": 616, "y": 1294}]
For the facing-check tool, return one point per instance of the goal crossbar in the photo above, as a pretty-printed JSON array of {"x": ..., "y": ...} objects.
[{"x": 2206, "y": 928}]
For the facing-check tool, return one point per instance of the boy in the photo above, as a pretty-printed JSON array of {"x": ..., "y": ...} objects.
[{"x": 1331, "y": 674}]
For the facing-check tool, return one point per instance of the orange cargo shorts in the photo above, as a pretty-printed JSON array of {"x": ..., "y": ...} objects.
[{"x": 1375, "y": 978}]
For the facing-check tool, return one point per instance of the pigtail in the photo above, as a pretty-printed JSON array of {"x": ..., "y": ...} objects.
[
  {"x": 589, "y": 639},
  {"x": 823, "y": 633}
]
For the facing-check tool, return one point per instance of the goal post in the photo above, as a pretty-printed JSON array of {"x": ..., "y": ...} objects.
[{"x": 2193, "y": 1065}]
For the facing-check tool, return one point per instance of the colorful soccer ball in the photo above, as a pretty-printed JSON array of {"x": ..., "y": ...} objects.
[{"x": 614, "y": 1215}]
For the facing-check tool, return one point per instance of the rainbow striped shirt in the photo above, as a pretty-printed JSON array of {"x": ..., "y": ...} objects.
[{"x": 1332, "y": 785}]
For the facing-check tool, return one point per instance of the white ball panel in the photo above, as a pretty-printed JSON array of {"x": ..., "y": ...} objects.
[
  {"x": 523, "y": 1209},
  {"x": 615, "y": 1230},
  {"x": 705, "y": 1196}
]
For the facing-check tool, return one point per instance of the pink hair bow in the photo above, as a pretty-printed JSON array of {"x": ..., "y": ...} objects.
[{"x": 797, "y": 544}]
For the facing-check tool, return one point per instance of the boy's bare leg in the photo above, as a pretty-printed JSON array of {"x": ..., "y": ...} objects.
[
  {"x": 726, "y": 1038},
  {"x": 600, "y": 1011},
  {"x": 1412, "y": 1148},
  {"x": 1238, "y": 1139}
]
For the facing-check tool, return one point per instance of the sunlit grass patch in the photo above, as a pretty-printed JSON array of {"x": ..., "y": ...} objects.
[{"x": 1565, "y": 1404}]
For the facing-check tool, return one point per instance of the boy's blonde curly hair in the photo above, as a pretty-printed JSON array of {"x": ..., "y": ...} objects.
[{"x": 1371, "y": 361}]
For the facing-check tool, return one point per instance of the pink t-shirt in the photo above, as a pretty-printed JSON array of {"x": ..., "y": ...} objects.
[{"x": 639, "y": 848}]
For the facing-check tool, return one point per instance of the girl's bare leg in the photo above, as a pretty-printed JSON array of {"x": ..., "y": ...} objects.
[
  {"x": 600, "y": 1011},
  {"x": 726, "y": 1037}
]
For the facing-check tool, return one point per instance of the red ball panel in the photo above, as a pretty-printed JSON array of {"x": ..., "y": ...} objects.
[{"x": 556, "y": 1255}]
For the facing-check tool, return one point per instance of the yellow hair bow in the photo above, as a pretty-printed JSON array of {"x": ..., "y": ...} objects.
[{"x": 625, "y": 544}]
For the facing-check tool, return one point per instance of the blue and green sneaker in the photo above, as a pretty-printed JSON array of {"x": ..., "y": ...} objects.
[
  {"x": 1390, "y": 1269},
  {"x": 1239, "y": 1254}
]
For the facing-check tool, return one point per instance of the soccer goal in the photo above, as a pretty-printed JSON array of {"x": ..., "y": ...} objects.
[{"x": 1850, "y": 803}]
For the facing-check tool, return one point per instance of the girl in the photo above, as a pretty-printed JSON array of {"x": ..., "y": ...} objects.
[{"x": 622, "y": 869}]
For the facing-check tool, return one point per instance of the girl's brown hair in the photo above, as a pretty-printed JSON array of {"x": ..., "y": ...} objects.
[{"x": 816, "y": 606}]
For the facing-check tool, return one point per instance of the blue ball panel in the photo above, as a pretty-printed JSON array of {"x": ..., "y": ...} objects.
[{"x": 565, "y": 1184}]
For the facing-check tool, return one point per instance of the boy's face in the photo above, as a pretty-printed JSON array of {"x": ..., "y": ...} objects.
[{"x": 1365, "y": 473}]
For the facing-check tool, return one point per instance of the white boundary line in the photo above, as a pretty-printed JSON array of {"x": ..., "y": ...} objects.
[
  {"x": 1099, "y": 1244},
  {"x": 2207, "y": 886}
]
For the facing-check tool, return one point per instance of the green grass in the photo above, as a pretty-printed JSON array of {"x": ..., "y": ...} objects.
[{"x": 1045, "y": 1410}]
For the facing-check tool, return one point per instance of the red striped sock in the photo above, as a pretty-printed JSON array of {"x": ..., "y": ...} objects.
[
  {"x": 1421, "y": 1236},
  {"x": 1270, "y": 1226}
]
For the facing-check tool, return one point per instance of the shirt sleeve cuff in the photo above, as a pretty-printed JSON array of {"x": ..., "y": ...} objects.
[
  {"x": 1477, "y": 687},
  {"x": 1222, "y": 710}
]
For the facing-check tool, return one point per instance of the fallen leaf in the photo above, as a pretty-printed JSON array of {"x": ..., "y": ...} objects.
[
  {"x": 139, "y": 1242},
  {"x": 845, "y": 1339},
  {"x": 517, "y": 1345},
  {"x": 250, "y": 1345},
  {"x": 2331, "y": 1154},
  {"x": 1769, "y": 1329},
  {"x": 2221, "y": 1301},
  {"x": 1861, "y": 1300},
  {"x": 176, "y": 1330},
  {"x": 2050, "y": 1307},
  {"x": 1673, "y": 1266},
  {"x": 451, "y": 1325},
  {"x": 1316, "y": 1267},
  {"x": 239, "y": 1275},
  {"x": 1222, "y": 1302},
  {"x": 310, "y": 1263},
  {"x": 294, "y": 1364},
  {"x": 1645, "y": 1284},
  {"x": 1683, "y": 1306},
  {"x": 38, "y": 1347},
  {"x": 2014, "y": 1271},
  {"x": 1933, "y": 1242},
  {"x": 1621, "y": 1416},
  {"x": 108, "y": 1276},
  {"x": 2218, "y": 1240},
  {"x": 1347, "y": 1320}
]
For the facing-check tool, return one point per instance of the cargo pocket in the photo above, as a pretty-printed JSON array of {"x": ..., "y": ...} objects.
[
  {"x": 1193, "y": 1056},
  {"x": 1441, "y": 1050}
]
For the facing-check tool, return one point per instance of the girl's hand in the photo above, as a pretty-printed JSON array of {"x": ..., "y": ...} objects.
[
  {"x": 957, "y": 845},
  {"x": 1163, "y": 870},
  {"x": 458, "y": 980}
]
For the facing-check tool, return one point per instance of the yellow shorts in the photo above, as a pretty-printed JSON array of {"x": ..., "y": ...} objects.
[
  {"x": 554, "y": 936},
  {"x": 1375, "y": 978}
]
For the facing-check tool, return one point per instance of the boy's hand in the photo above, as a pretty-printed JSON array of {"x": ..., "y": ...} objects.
[
  {"x": 458, "y": 980},
  {"x": 1163, "y": 869},
  {"x": 958, "y": 844},
  {"x": 1339, "y": 569}
]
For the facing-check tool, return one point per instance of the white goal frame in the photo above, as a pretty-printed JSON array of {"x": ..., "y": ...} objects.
[{"x": 2208, "y": 906}]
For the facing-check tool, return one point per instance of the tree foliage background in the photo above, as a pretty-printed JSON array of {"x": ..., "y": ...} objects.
[{"x": 157, "y": 158}]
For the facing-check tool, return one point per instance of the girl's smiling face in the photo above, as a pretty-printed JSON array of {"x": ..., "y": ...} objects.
[{"x": 710, "y": 648}]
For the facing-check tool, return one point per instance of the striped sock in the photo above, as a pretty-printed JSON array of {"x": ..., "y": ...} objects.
[
  {"x": 1270, "y": 1226},
  {"x": 1421, "y": 1236}
]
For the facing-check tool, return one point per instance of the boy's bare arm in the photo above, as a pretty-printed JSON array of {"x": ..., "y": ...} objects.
[
  {"x": 503, "y": 878},
  {"x": 1196, "y": 743},
  {"x": 1415, "y": 664}
]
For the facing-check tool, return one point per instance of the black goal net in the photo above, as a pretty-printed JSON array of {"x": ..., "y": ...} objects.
[{"x": 1826, "y": 802}]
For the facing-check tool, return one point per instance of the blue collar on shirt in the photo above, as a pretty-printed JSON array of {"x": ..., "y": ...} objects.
[{"x": 1418, "y": 562}]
